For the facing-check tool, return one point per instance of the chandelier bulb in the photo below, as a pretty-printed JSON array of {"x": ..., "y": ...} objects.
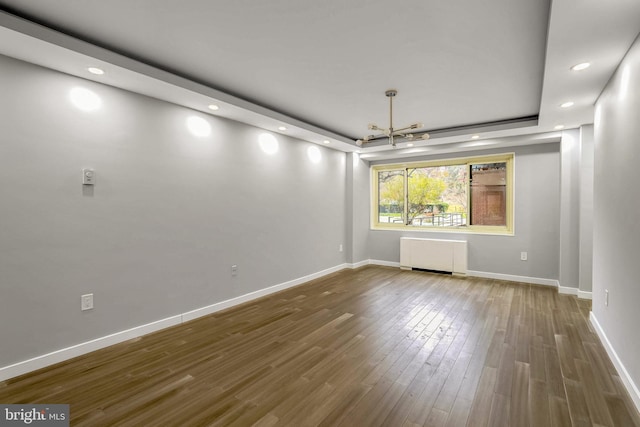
[
  {"x": 359, "y": 142},
  {"x": 426, "y": 136}
]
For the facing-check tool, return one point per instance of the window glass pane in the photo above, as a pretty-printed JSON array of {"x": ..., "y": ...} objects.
[
  {"x": 489, "y": 194},
  {"x": 438, "y": 196},
  {"x": 391, "y": 197}
]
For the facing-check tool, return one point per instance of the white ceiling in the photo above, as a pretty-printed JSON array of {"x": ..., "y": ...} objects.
[{"x": 321, "y": 68}]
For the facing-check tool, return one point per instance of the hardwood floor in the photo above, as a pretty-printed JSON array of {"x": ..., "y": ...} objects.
[{"x": 367, "y": 347}]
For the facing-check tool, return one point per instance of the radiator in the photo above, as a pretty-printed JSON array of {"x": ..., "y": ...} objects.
[{"x": 434, "y": 254}]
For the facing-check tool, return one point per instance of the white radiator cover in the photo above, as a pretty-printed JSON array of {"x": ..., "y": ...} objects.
[{"x": 434, "y": 254}]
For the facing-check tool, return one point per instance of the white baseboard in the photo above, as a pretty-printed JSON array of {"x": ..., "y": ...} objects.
[
  {"x": 514, "y": 278},
  {"x": 585, "y": 294},
  {"x": 358, "y": 264},
  {"x": 85, "y": 347},
  {"x": 384, "y": 263},
  {"x": 203, "y": 311},
  {"x": 373, "y": 262},
  {"x": 567, "y": 290},
  {"x": 533, "y": 280},
  {"x": 61, "y": 355},
  {"x": 574, "y": 291},
  {"x": 631, "y": 387}
]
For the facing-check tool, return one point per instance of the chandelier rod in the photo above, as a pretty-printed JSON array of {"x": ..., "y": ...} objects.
[
  {"x": 391, "y": 133},
  {"x": 391, "y": 94}
]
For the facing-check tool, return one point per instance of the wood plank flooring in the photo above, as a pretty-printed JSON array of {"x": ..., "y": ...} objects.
[{"x": 375, "y": 346}]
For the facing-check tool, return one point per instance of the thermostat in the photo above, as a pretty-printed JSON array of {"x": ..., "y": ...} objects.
[{"x": 88, "y": 177}]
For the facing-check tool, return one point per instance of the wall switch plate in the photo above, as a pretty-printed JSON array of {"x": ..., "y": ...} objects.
[
  {"x": 340, "y": 248},
  {"x": 523, "y": 256},
  {"x": 234, "y": 270},
  {"x": 86, "y": 302},
  {"x": 88, "y": 177},
  {"x": 606, "y": 297}
]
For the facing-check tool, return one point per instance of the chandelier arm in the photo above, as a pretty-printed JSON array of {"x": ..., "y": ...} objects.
[
  {"x": 377, "y": 136},
  {"x": 395, "y": 131},
  {"x": 390, "y": 133},
  {"x": 410, "y": 127}
]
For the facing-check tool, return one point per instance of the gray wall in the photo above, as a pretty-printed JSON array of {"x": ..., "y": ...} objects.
[
  {"x": 616, "y": 236},
  {"x": 537, "y": 205},
  {"x": 570, "y": 208},
  {"x": 359, "y": 196},
  {"x": 168, "y": 217},
  {"x": 586, "y": 208}
]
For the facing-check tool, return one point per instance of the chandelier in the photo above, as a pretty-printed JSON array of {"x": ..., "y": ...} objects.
[{"x": 391, "y": 133}]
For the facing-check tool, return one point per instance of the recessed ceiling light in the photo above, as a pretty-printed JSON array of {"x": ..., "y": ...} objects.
[
  {"x": 567, "y": 104},
  {"x": 475, "y": 137},
  {"x": 213, "y": 107},
  {"x": 558, "y": 127},
  {"x": 581, "y": 66},
  {"x": 282, "y": 128},
  {"x": 95, "y": 70},
  {"x": 326, "y": 141}
]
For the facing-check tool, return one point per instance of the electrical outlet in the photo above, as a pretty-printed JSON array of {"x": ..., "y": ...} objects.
[
  {"x": 523, "y": 256},
  {"x": 234, "y": 270},
  {"x": 86, "y": 302},
  {"x": 88, "y": 177},
  {"x": 606, "y": 297}
]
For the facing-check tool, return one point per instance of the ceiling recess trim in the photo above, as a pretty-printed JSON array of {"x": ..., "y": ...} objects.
[
  {"x": 514, "y": 123},
  {"x": 493, "y": 126},
  {"x": 254, "y": 113}
]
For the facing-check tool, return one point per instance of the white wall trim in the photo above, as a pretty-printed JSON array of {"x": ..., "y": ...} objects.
[
  {"x": 512, "y": 278},
  {"x": 61, "y": 355},
  {"x": 203, "y": 311},
  {"x": 568, "y": 290},
  {"x": 574, "y": 291},
  {"x": 631, "y": 387},
  {"x": 384, "y": 263},
  {"x": 358, "y": 264},
  {"x": 584, "y": 294},
  {"x": 85, "y": 347}
]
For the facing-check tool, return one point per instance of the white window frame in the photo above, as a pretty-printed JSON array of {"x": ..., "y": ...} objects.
[{"x": 508, "y": 229}]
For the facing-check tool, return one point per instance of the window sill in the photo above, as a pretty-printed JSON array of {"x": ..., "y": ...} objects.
[{"x": 448, "y": 230}]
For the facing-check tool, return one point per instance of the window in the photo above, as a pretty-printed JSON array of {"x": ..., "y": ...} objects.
[{"x": 474, "y": 194}]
